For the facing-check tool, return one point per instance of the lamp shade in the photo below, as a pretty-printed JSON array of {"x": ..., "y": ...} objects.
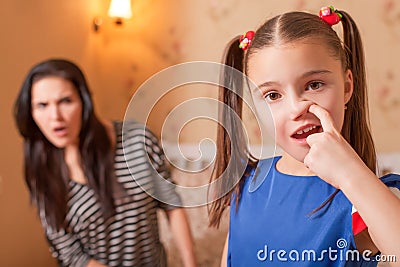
[{"x": 120, "y": 9}]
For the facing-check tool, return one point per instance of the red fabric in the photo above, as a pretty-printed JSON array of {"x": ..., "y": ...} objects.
[{"x": 358, "y": 223}]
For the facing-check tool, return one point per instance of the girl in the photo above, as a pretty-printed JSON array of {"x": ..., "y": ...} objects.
[
  {"x": 80, "y": 170},
  {"x": 300, "y": 208}
]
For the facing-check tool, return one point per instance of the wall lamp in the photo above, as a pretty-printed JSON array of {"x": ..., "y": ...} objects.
[{"x": 118, "y": 10}]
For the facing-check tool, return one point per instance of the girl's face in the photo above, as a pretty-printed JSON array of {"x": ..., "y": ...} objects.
[
  {"x": 291, "y": 78},
  {"x": 57, "y": 110}
]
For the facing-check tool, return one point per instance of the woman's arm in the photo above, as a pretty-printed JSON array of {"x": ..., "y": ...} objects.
[
  {"x": 224, "y": 257},
  {"x": 182, "y": 235},
  {"x": 169, "y": 199},
  {"x": 66, "y": 248},
  {"x": 94, "y": 263}
]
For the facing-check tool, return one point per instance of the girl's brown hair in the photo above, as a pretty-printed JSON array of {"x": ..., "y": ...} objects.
[{"x": 283, "y": 29}]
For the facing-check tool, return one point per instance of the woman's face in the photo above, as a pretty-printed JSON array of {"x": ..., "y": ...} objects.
[
  {"x": 290, "y": 79},
  {"x": 57, "y": 110}
]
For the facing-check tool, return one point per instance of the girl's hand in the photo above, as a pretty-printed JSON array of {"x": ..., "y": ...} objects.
[{"x": 330, "y": 156}]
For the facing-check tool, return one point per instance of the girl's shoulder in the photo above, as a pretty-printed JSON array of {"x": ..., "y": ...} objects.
[
  {"x": 390, "y": 178},
  {"x": 258, "y": 174},
  {"x": 392, "y": 181}
]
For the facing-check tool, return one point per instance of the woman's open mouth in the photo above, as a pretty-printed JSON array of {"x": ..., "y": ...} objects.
[{"x": 60, "y": 131}]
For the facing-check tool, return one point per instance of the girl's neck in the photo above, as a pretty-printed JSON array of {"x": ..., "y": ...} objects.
[{"x": 289, "y": 165}]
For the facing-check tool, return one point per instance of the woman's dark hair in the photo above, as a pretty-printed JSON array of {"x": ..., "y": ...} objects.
[
  {"x": 283, "y": 29},
  {"x": 46, "y": 173}
]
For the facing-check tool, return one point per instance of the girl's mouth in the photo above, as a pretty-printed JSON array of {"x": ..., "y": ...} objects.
[{"x": 304, "y": 133}]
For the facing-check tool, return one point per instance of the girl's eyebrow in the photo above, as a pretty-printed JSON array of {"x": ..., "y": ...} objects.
[
  {"x": 304, "y": 75},
  {"x": 313, "y": 72},
  {"x": 266, "y": 84}
]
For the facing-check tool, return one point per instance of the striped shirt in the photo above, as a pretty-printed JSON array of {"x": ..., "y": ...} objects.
[{"x": 130, "y": 237}]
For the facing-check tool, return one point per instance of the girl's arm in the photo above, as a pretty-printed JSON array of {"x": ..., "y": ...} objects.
[
  {"x": 335, "y": 161},
  {"x": 379, "y": 208}
]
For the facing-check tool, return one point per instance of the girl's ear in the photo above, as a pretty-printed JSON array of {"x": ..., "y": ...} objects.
[{"x": 348, "y": 85}]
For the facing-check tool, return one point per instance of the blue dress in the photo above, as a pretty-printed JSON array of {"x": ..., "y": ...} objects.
[{"x": 274, "y": 226}]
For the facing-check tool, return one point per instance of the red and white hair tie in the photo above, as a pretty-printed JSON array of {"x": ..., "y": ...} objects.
[
  {"x": 330, "y": 15},
  {"x": 246, "y": 39}
]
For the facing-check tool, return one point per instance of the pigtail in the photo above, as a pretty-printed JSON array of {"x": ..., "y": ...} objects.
[
  {"x": 231, "y": 145},
  {"x": 356, "y": 127}
]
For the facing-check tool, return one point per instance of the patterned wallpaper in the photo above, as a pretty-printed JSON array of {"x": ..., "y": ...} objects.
[
  {"x": 164, "y": 34},
  {"x": 117, "y": 60},
  {"x": 181, "y": 31}
]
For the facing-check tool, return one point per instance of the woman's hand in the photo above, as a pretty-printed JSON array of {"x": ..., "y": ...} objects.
[
  {"x": 94, "y": 263},
  {"x": 330, "y": 156}
]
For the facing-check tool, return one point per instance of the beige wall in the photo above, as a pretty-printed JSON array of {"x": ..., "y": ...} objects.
[
  {"x": 215, "y": 22},
  {"x": 35, "y": 30},
  {"x": 118, "y": 60},
  {"x": 30, "y": 31}
]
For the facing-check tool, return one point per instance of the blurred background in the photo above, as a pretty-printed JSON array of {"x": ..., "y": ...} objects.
[{"x": 118, "y": 58}]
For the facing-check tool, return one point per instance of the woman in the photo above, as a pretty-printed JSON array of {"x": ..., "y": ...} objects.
[{"x": 83, "y": 173}]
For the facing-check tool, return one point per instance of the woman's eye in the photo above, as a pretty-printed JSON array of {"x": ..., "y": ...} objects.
[
  {"x": 40, "y": 105},
  {"x": 272, "y": 96},
  {"x": 314, "y": 86},
  {"x": 66, "y": 100}
]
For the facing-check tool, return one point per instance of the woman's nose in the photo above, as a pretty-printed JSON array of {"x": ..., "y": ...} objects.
[{"x": 55, "y": 112}]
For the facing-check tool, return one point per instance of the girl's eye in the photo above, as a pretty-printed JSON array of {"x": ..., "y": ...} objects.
[
  {"x": 272, "y": 96},
  {"x": 314, "y": 86}
]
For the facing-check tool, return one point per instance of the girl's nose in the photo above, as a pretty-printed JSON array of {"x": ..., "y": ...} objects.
[{"x": 298, "y": 107}]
